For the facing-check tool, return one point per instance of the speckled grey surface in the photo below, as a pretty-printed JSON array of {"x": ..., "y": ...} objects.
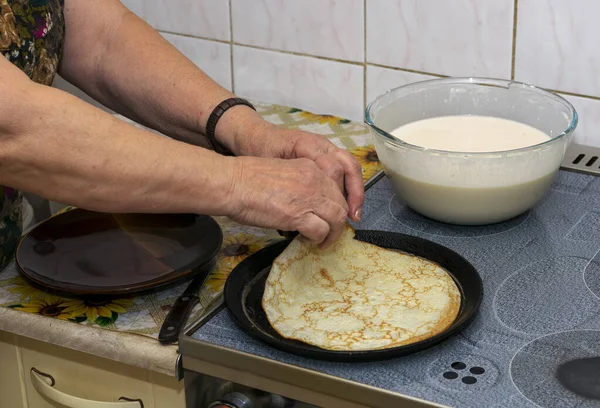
[{"x": 541, "y": 307}]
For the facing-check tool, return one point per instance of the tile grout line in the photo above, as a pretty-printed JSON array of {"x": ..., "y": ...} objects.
[
  {"x": 299, "y": 54},
  {"x": 365, "y": 55},
  {"x": 594, "y": 98},
  {"x": 196, "y": 37},
  {"x": 514, "y": 39},
  {"x": 412, "y": 71},
  {"x": 257, "y": 47},
  {"x": 231, "y": 47},
  {"x": 363, "y": 64}
]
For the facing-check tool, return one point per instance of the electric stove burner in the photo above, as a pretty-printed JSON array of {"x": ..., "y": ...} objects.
[
  {"x": 545, "y": 297},
  {"x": 560, "y": 370},
  {"x": 592, "y": 276}
]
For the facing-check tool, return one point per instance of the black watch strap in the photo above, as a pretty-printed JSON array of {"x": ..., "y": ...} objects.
[{"x": 213, "y": 119}]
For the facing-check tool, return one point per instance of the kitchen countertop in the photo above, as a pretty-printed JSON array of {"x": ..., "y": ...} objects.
[
  {"x": 127, "y": 348},
  {"x": 131, "y": 349},
  {"x": 142, "y": 351}
]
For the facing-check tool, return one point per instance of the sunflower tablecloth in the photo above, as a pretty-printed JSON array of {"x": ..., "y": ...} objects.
[{"x": 145, "y": 314}]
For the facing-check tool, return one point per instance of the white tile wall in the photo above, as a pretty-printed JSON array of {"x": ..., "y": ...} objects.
[
  {"x": 588, "y": 129},
  {"x": 326, "y": 28},
  {"x": 344, "y": 54},
  {"x": 557, "y": 45},
  {"x": 201, "y": 18},
  {"x": 304, "y": 82},
  {"x": 449, "y": 37},
  {"x": 380, "y": 80},
  {"x": 212, "y": 57},
  {"x": 137, "y": 6}
]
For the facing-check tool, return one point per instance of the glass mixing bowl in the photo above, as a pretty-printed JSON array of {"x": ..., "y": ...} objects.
[{"x": 471, "y": 188}]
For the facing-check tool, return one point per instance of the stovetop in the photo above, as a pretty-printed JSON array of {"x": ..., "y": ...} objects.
[{"x": 541, "y": 308}]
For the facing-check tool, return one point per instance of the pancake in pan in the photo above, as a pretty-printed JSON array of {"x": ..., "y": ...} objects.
[{"x": 357, "y": 296}]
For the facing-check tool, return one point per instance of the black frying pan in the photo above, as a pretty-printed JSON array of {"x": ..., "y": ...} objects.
[{"x": 245, "y": 286}]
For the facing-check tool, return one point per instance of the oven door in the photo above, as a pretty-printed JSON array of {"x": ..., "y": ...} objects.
[{"x": 203, "y": 391}]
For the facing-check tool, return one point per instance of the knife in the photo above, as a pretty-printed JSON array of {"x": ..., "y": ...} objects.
[{"x": 181, "y": 309}]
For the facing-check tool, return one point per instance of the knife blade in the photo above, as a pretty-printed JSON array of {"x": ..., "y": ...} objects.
[{"x": 180, "y": 311}]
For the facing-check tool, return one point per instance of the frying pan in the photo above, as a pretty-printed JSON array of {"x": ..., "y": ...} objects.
[{"x": 246, "y": 283}]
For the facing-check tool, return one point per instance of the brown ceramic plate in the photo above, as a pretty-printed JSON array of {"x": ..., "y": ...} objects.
[{"x": 89, "y": 253}]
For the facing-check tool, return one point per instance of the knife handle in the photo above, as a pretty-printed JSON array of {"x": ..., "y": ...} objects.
[
  {"x": 288, "y": 234},
  {"x": 176, "y": 318}
]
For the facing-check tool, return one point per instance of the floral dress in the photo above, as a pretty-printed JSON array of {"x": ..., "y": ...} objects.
[{"x": 31, "y": 37}]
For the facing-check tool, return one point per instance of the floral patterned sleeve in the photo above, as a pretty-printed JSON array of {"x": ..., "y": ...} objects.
[{"x": 31, "y": 37}]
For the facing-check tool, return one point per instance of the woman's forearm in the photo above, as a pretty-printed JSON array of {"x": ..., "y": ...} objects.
[
  {"x": 63, "y": 149},
  {"x": 139, "y": 74}
]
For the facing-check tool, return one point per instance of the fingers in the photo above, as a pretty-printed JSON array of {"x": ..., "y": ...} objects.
[
  {"x": 339, "y": 165},
  {"x": 329, "y": 206},
  {"x": 314, "y": 228},
  {"x": 354, "y": 185},
  {"x": 350, "y": 180},
  {"x": 334, "y": 214},
  {"x": 319, "y": 231},
  {"x": 332, "y": 167},
  {"x": 331, "y": 238},
  {"x": 345, "y": 171},
  {"x": 294, "y": 195}
]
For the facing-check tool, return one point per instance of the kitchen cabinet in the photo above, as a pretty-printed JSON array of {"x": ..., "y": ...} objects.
[
  {"x": 11, "y": 387},
  {"x": 79, "y": 375}
]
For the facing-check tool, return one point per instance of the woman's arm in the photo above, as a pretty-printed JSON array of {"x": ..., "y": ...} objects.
[
  {"x": 59, "y": 147},
  {"x": 63, "y": 149},
  {"x": 118, "y": 59},
  {"x": 124, "y": 63}
]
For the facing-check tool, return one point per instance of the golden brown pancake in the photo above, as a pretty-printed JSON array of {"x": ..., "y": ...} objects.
[{"x": 357, "y": 296}]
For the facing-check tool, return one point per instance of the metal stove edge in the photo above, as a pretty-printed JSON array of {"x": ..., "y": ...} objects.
[
  {"x": 583, "y": 159},
  {"x": 301, "y": 384}
]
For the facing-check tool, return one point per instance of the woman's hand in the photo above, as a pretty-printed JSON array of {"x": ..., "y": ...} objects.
[
  {"x": 257, "y": 137},
  {"x": 337, "y": 163},
  {"x": 289, "y": 195}
]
